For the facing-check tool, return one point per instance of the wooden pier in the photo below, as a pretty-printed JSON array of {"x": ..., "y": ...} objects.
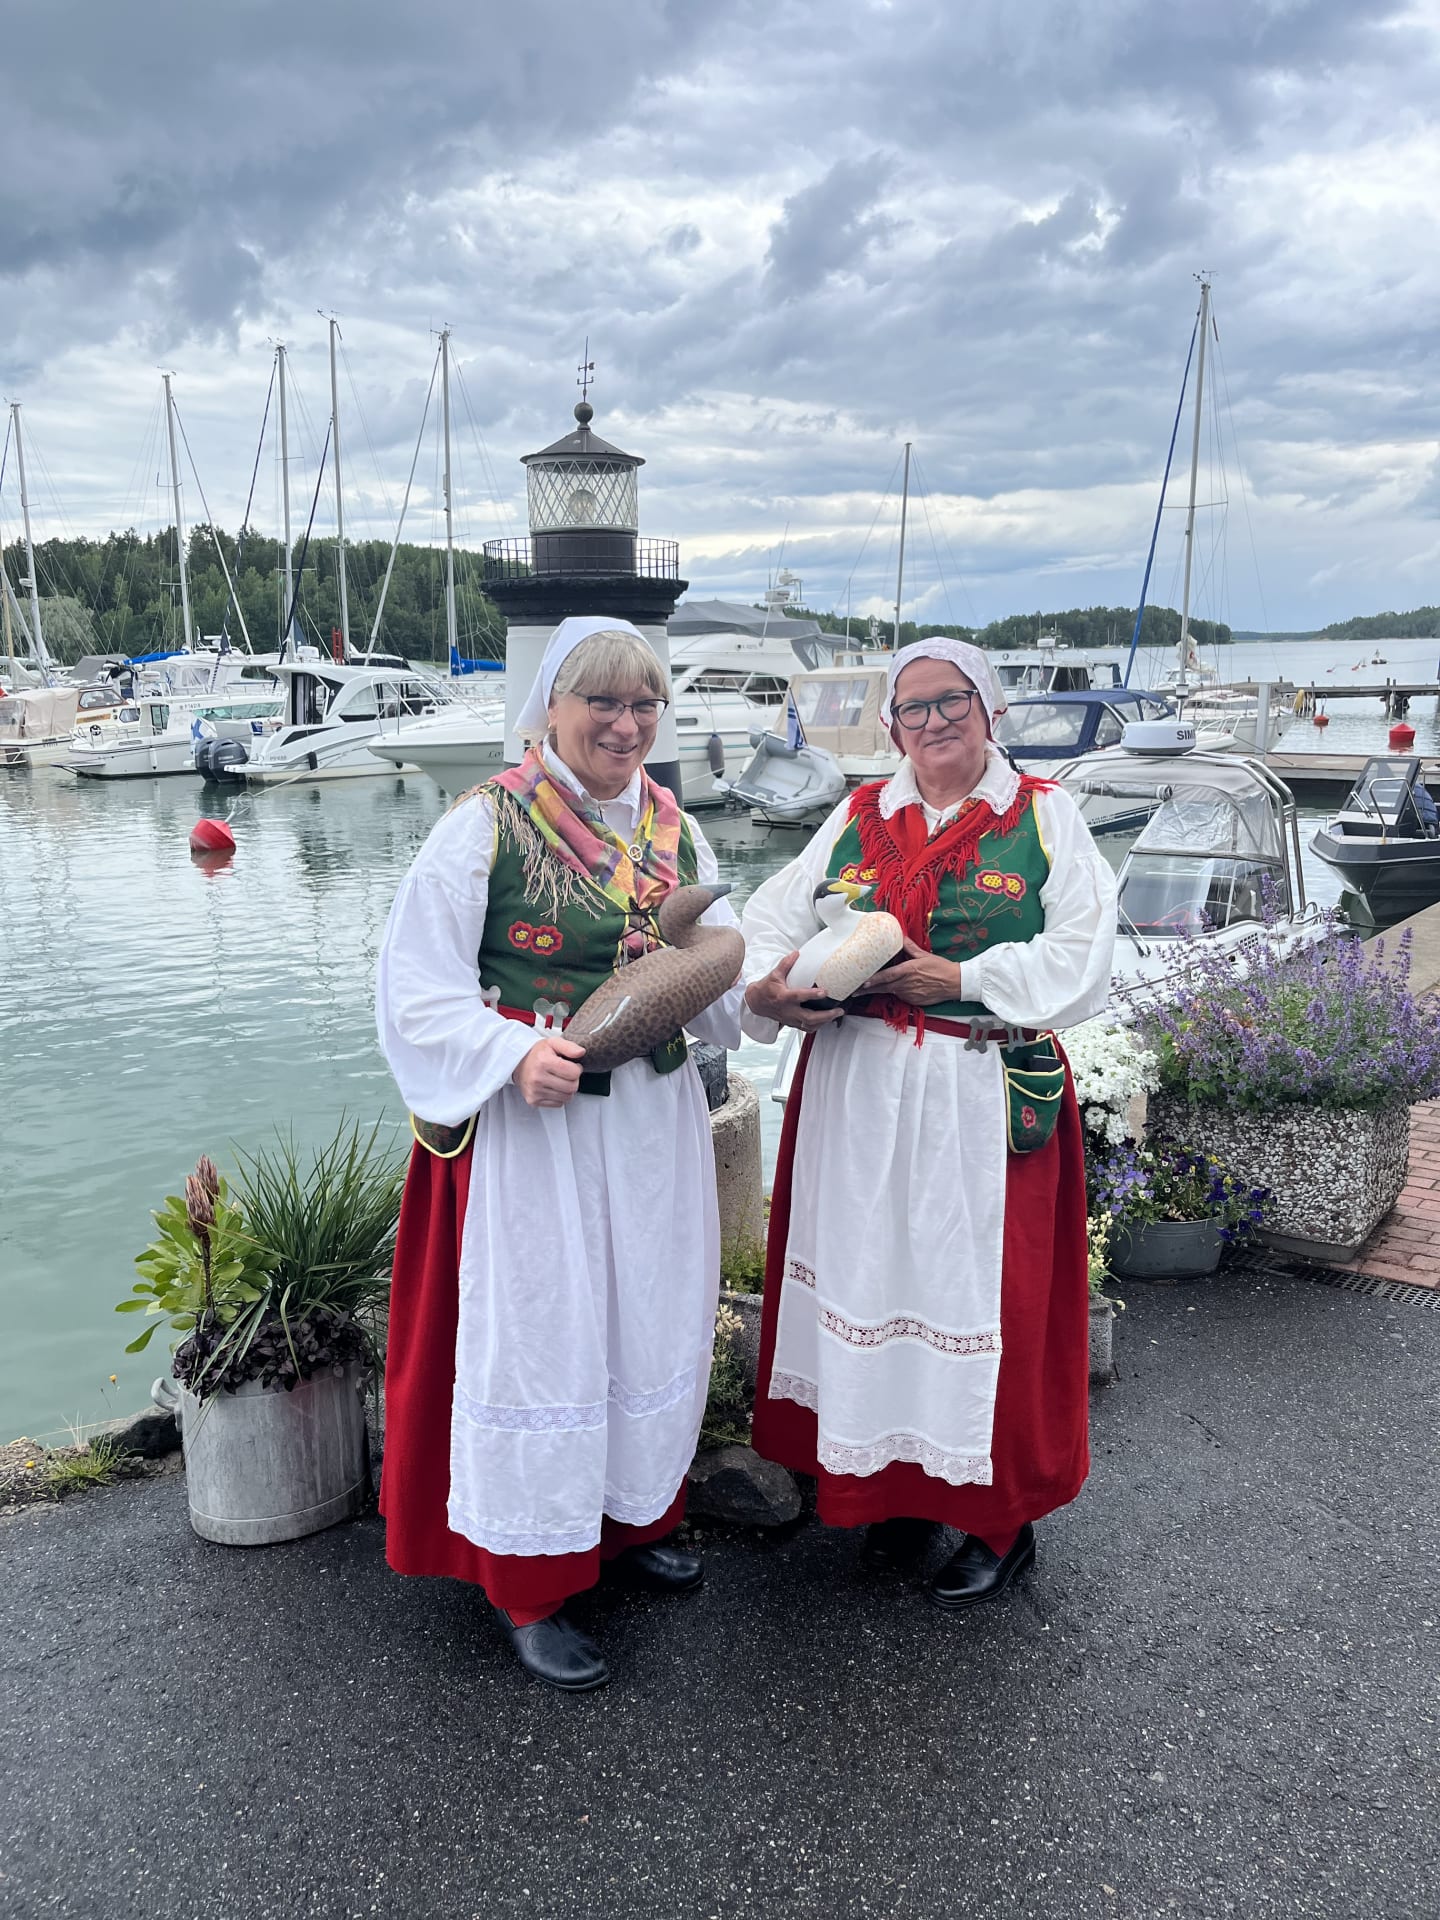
[{"x": 1325, "y": 779}]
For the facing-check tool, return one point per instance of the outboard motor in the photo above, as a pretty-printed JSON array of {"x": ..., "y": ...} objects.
[
  {"x": 220, "y": 759},
  {"x": 715, "y": 754}
]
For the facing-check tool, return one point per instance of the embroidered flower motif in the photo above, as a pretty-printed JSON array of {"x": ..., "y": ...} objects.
[
  {"x": 855, "y": 873},
  {"x": 521, "y": 934},
  {"x": 545, "y": 940},
  {"x": 1008, "y": 886},
  {"x": 1027, "y": 1116}
]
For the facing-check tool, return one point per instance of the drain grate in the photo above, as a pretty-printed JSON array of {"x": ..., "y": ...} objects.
[{"x": 1254, "y": 1260}]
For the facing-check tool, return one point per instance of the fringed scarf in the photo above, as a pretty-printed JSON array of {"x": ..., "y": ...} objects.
[
  {"x": 634, "y": 874},
  {"x": 909, "y": 865}
]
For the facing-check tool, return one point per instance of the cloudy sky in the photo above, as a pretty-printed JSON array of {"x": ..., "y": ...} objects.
[{"x": 797, "y": 233}]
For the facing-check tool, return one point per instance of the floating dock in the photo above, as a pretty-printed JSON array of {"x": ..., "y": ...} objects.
[{"x": 1325, "y": 779}]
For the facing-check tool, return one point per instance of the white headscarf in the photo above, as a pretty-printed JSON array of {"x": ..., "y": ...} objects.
[
  {"x": 535, "y": 714},
  {"x": 972, "y": 662}
]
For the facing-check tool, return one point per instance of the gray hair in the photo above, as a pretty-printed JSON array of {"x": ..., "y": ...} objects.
[{"x": 610, "y": 662}]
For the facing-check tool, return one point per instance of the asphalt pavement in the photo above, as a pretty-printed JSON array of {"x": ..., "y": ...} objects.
[{"x": 1216, "y": 1693}]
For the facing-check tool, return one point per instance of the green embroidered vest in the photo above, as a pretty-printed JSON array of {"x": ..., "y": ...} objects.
[
  {"x": 563, "y": 945},
  {"x": 998, "y": 899}
]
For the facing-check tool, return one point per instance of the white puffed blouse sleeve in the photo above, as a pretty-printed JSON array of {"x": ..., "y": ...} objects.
[
  {"x": 780, "y": 915},
  {"x": 1062, "y": 976},
  {"x": 449, "y": 1051}
]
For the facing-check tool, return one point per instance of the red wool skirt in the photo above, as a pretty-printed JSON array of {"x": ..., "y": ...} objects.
[
  {"x": 1040, "y": 1452},
  {"x": 419, "y": 1388}
]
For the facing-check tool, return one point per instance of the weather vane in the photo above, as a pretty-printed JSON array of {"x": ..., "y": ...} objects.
[{"x": 586, "y": 370}]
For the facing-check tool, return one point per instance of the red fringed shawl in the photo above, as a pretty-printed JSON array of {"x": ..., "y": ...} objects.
[{"x": 909, "y": 865}]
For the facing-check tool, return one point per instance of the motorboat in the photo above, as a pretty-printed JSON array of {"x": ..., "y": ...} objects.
[
  {"x": 787, "y": 782},
  {"x": 334, "y": 715},
  {"x": 36, "y": 726},
  {"x": 1040, "y": 732},
  {"x": 157, "y": 735},
  {"x": 1385, "y": 840},
  {"x": 834, "y": 738},
  {"x": 1051, "y": 667},
  {"x": 726, "y": 683},
  {"x": 1217, "y": 863}
]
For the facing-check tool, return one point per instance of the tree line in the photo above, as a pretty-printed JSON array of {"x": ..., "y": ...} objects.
[
  {"x": 1090, "y": 627},
  {"x": 122, "y": 594},
  {"x": 1422, "y": 623}
]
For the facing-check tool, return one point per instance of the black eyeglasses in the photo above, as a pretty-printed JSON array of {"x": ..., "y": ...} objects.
[
  {"x": 604, "y": 707},
  {"x": 913, "y": 714}
]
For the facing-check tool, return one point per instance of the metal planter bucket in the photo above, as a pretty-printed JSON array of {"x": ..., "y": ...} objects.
[
  {"x": 263, "y": 1465},
  {"x": 1167, "y": 1250}
]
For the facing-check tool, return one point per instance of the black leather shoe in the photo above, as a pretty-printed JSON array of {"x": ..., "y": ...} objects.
[
  {"x": 893, "y": 1546},
  {"x": 973, "y": 1573},
  {"x": 658, "y": 1569},
  {"x": 554, "y": 1650}
]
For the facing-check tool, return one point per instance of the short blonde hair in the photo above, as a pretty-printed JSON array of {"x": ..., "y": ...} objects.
[{"x": 610, "y": 662}]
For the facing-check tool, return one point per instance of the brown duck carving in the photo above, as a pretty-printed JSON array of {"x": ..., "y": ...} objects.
[{"x": 648, "y": 1000}]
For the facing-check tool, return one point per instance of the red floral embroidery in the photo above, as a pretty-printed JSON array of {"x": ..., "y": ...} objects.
[
  {"x": 546, "y": 940},
  {"x": 1009, "y": 885},
  {"x": 1027, "y": 1116},
  {"x": 521, "y": 934}
]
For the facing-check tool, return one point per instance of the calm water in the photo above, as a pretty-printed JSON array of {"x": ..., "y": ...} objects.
[{"x": 150, "y": 1011}]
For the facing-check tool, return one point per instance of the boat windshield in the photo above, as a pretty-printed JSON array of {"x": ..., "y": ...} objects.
[
  {"x": 1203, "y": 821},
  {"x": 1170, "y": 893},
  {"x": 1386, "y": 789},
  {"x": 1046, "y": 723},
  {"x": 831, "y": 701}
]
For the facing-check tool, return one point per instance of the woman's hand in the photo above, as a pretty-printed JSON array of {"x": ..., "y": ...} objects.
[
  {"x": 773, "y": 998},
  {"x": 549, "y": 1075},
  {"x": 921, "y": 979}
]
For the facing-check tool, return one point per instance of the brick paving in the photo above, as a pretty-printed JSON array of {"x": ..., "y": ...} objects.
[{"x": 1406, "y": 1246}]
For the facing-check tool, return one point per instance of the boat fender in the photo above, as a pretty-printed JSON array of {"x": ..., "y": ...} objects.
[{"x": 715, "y": 754}]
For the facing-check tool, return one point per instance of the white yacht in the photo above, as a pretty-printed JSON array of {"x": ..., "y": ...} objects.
[
  {"x": 158, "y": 735},
  {"x": 726, "y": 683},
  {"x": 335, "y": 714},
  {"x": 36, "y": 726}
]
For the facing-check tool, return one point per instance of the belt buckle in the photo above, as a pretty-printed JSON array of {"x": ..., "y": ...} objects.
[{"x": 978, "y": 1039}]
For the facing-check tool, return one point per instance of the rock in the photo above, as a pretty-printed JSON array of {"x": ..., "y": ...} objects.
[
  {"x": 710, "y": 1064},
  {"x": 735, "y": 1485},
  {"x": 151, "y": 1433}
]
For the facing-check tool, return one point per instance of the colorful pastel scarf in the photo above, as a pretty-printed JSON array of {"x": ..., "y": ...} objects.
[{"x": 633, "y": 874}]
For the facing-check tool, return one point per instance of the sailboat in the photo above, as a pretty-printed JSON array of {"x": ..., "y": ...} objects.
[{"x": 1245, "y": 714}]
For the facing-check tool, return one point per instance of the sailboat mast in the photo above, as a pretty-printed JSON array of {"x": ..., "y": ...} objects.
[
  {"x": 452, "y": 640},
  {"x": 5, "y": 608},
  {"x": 37, "y": 639},
  {"x": 179, "y": 517},
  {"x": 1204, "y": 323},
  {"x": 287, "y": 622},
  {"x": 339, "y": 494},
  {"x": 900, "y": 570}
]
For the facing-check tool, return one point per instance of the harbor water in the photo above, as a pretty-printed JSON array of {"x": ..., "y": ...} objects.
[{"x": 152, "y": 1010}]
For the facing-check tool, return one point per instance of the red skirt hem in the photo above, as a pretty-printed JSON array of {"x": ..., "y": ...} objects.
[{"x": 419, "y": 1390}]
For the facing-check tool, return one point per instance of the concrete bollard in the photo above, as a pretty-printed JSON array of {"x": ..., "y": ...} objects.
[{"x": 735, "y": 1132}]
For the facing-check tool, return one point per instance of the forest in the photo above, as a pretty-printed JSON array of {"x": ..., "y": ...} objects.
[
  {"x": 1422, "y": 623},
  {"x": 1090, "y": 627},
  {"x": 122, "y": 594}
]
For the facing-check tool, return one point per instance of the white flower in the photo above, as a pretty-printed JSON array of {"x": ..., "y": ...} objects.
[{"x": 1110, "y": 1068}]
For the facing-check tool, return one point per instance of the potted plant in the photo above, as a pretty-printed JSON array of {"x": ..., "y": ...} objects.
[
  {"x": 1171, "y": 1210},
  {"x": 277, "y": 1291},
  {"x": 1297, "y": 1069}
]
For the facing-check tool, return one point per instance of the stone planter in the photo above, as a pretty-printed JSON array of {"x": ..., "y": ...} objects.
[
  {"x": 739, "y": 1184},
  {"x": 1334, "y": 1173},
  {"x": 1166, "y": 1250},
  {"x": 1102, "y": 1328}
]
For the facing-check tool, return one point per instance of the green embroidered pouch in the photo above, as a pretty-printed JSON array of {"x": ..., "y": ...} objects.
[{"x": 1034, "y": 1086}]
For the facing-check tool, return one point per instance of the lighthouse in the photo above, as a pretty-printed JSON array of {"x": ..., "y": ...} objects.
[{"x": 584, "y": 555}]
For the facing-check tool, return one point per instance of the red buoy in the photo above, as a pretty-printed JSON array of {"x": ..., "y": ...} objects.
[
  {"x": 211, "y": 836},
  {"x": 1402, "y": 737},
  {"x": 1320, "y": 720}
]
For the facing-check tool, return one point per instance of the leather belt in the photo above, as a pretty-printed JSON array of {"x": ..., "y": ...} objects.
[{"x": 976, "y": 1034}]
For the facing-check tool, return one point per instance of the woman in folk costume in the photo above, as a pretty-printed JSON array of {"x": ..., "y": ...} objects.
[
  {"x": 924, "y": 1344},
  {"x": 558, "y": 1259}
]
